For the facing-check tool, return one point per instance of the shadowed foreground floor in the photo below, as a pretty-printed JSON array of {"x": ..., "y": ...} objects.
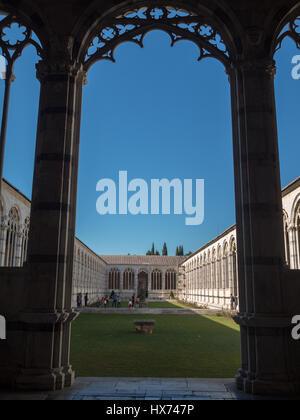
[{"x": 142, "y": 389}]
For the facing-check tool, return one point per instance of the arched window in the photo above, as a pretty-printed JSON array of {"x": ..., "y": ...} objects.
[
  {"x": 156, "y": 280},
  {"x": 128, "y": 280},
  {"x": 209, "y": 270},
  {"x": 171, "y": 280},
  {"x": 287, "y": 239},
  {"x": 214, "y": 280},
  {"x": 205, "y": 272},
  {"x": 225, "y": 267},
  {"x": 12, "y": 238},
  {"x": 201, "y": 273},
  {"x": 114, "y": 279},
  {"x": 234, "y": 269},
  {"x": 25, "y": 241},
  {"x": 298, "y": 234}
]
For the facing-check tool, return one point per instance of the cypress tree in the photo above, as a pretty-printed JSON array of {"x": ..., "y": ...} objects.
[
  {"x": 153, "y": 249},
  {"x": 165, "y": 250}
]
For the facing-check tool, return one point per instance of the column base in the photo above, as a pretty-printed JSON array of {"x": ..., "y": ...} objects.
[
  {"x": 69, "y": 377},
  {"x": 39, "y": 380},
  {"x": 267, "y": 388},
  {"x": 35, "y": 380}
]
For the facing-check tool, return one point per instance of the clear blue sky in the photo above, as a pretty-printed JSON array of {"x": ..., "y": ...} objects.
[{"x": 156, "y": 113}]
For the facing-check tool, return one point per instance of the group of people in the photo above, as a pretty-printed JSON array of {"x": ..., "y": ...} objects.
[
  {"x": 133, "y": 303},
  {"x": 83, "y": 300},
  {"x": 114, "y": 298},
  {"x": 80, "y": 300},
  {"x": 117, "y": 303}
]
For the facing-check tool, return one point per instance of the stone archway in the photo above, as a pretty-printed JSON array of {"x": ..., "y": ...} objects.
[
  {"x": 143, "y": 284},
  {"x": 40, "y": 316}
]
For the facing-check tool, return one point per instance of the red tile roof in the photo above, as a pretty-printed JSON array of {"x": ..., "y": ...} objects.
[{"x": 142, "y": 260}]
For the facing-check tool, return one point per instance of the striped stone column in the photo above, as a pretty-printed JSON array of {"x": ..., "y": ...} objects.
[
  {"x": 49, "y": 313},
  {"x": 264, "y": 313}
]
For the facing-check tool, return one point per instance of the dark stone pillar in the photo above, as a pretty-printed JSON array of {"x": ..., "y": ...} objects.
[
  {"x": 266, "y": 309},
  {"x": 48, "y": 316}
]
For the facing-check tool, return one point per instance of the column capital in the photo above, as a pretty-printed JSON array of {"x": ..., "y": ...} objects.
[
  {"x": 57, "y": 66},
  {"x": 3, "y": 224},
  {"x": 292, "y": 228},
  {"x": 265, "y": 66}
]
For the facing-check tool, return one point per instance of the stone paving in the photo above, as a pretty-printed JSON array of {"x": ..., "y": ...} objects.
[
  {"x": 148, "y": 311},
  {"x": 141, "y": 389}
]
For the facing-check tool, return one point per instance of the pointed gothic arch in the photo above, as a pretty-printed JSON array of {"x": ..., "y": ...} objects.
[
  {"x": 128, "y": 279},
  {"x": 133, "y": 23},
  {"x": 13, "y": 224}
]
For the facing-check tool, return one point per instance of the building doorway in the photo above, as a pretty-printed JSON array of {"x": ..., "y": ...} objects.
[{"x": 142, "y": 285}]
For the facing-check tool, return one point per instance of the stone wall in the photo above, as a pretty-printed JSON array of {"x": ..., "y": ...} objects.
[
  {"x": 158, "y": 289},
  {"x": 210, "y": 275},
  {"x": 88, "y": 270}
]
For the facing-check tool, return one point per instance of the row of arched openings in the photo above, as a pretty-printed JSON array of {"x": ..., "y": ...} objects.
[
  {"x": 14, "y": 240},
  {"x": 86, "y": 270},
  {"x": 214, "y": 269},
  {"x": 114, "y": 280},
  {"x": 292, "y": 237}
]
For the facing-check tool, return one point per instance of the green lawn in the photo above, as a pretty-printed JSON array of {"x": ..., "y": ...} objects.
[
  {"x": 156, "y": 305},
  {"x": 181, "y": 346},
  {"x": 168, "y": 305}
]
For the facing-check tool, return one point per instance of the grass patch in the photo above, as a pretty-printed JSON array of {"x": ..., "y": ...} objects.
[
  {"x": 156, "y": 305},
  {"x": 181, "y": 346}
]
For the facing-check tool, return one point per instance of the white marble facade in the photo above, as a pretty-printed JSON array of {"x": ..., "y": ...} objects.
[
  {"x": 89, "y": 270},
  {"x": 152, "y": 276},
  {"x": 207, "y": 277}
]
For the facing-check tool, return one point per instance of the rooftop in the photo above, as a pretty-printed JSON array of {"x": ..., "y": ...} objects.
[{"x": 142, "y": 260}]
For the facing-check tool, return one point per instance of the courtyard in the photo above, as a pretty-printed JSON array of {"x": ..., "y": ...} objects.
[{"x": 182, "y": 346}]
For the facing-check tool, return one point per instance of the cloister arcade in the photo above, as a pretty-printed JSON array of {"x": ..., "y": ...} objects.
[
  {"x": 132, "y": 275},
  {"x": 72, "y": 37},
  {"x": 14, "y": 228},
  {"x": 211, "y": 275}
]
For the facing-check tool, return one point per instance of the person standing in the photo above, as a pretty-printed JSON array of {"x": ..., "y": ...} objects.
[
  {"x": 86, "y": 300},
  {"x": 133, "y": 301},
  {"x": 233, "y": 303}
]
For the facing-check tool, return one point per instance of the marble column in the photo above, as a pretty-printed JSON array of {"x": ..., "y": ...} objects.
[
  {"x": 49, "y": 314},
  {"x": 122, "y": 271},
  {"x": 19, "y": 245},
  {"x": 3, "y": 236},
  {"x": 136, "y": 281},
  {"x": 292, "y": 232},
  {"x": 264, "y": 282}
]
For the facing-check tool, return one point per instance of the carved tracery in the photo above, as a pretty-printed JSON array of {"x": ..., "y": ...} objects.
[
  {"x": 291, "y": 30},
  {"x": 133, "y": 26},
  {"x": 14, "y": 38}
]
